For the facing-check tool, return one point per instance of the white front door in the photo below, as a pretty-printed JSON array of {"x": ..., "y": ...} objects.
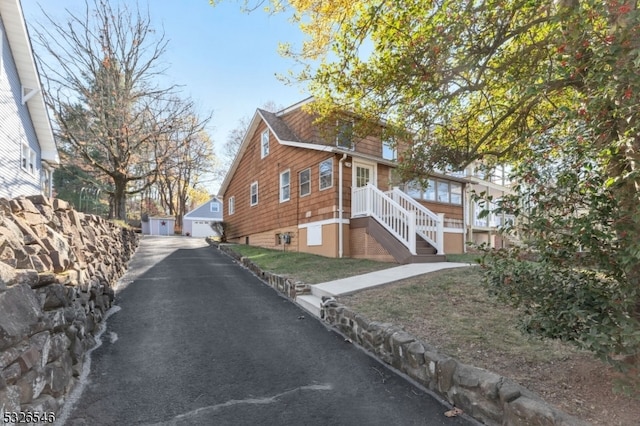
[{"x": 364, "y": 173}]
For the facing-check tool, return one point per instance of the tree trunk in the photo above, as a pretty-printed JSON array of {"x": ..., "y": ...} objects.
[{"x": 119, "y": 210}]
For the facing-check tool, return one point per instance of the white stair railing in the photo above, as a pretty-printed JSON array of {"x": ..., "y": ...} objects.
[
  {"x": 370, "y": 201},
  {"x": 429, "y": 225}
]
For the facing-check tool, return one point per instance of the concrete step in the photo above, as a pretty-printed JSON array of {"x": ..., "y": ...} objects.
[
  {"x": 319, "y": 292},
  {"x": 310, "y": 303}
]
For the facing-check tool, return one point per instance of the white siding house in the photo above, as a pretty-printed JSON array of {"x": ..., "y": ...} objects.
[
  {"x": 197, "y": 223},
  {"x": 28, "y": 151}
]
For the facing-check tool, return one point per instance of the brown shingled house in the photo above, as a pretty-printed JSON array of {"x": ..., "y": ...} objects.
[{"x": 298, "y": 187}]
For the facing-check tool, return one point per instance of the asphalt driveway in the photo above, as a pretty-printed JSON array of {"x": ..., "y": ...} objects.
[{"x": 196, "y": 339}]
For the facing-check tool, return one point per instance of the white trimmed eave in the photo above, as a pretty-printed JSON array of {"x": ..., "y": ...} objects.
[
  {"x": 207, "y": 219},
  {"x": 253, "y": 125},
  {"x": 477, "y": 181},
  {"x": 18, "y": 36}
]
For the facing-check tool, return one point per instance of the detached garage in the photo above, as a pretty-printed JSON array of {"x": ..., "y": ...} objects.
[{"x": 198, "y": 222}]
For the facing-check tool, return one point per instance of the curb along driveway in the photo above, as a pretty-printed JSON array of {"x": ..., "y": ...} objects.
[{"x": 199, "y": 340}]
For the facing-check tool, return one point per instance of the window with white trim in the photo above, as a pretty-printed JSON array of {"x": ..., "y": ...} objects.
[
  {"x": 344, "y": 137},
  {"x": 264, "y": 144},
  {"x": 232, "y": 204},
  {"x": 439, "y": 190},
  {"x": 285, "y": 186},
  {"x": 326, "y": 174},
  {"x": 305, "y": 182},
  {"x": 254, "y": 193},
  {"x": 455, "y": 193},
  {"x": 430, "y": 190},
  {"x": 214, "y": 207},
  {"x": 28, "y": 159},
  {"x": 389, "y": 150}
]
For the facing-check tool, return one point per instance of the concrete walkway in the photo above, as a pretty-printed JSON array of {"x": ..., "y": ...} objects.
[{"x": 311, "y": 302}]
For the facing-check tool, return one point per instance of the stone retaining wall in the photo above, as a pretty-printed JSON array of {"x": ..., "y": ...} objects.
[
  {"x": 57, "y": 271},
  {"x": 486, "y": 396},
  {"x": 483, "y": 395},
  {"x": 286, "y": 286}
]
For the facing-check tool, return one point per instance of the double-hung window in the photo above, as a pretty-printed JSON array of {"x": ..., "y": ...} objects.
[
  {"x": 28, "y": 159},
  {"x": 264, "y": 144},
  {"x": 305, "y": 182},
  {"x": 214, "y": 207},
  {"x": 344, "y": 137},
  {"x": 285, "y": 186},
  {"x": 326, "y": 174},
  {"x": 254, "y": 193},
  {"x": 232, "y": 205}
]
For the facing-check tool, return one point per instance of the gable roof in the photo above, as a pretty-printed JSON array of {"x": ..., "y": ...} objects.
[
  {"x": 203, "y": 211},
  {"x": 285, "y": 136},
  {"x": 18, "y": 36}
]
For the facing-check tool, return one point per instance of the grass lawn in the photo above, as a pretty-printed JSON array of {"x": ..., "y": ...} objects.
[
  {"x": 308, "y": 268},
  {"x": 451, "y": 310}
]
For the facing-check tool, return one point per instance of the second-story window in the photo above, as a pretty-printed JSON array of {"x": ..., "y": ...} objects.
[
  {"x": 285, "y": 186},
  {"x": 215, "y": 207},
  {"x": 264, "y": 144},
  {"x": 388, "y": 150},
  {"x": 344, "y": 136},
  {"x": 326, "y": 174},
  {"x": 305, "y": 182},
  {"x": 254, "y": 193}
]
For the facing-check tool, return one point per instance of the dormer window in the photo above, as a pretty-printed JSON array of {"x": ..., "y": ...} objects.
[
  {"x": 264, "y": 144},
  {"x": 344, "y": 136}
]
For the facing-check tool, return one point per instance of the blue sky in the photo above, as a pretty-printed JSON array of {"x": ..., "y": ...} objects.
[{"x": 226, "y": 60}]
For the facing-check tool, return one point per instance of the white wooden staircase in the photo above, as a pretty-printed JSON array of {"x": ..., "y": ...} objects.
[{"x": 405, "y": 228}]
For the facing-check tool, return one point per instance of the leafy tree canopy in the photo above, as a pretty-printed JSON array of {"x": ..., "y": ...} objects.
[{"x": 550, "y": 87}]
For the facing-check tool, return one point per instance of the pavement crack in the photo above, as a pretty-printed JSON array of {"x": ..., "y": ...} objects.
[{"x": 190, "y": 415}]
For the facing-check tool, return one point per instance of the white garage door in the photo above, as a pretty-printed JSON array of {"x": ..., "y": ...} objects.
[{"x": 201, "y": 228}]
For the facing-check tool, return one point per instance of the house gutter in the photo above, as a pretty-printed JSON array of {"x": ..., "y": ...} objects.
[{"x": 340, "y": 207}]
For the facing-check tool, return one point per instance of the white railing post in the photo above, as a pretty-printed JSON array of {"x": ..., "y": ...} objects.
[
  {"x": 368, "y": 200},
  {"x": 394, "y": 192},
  {"x": 412, "y": 232},
  {"x": 440, "y": 234}
]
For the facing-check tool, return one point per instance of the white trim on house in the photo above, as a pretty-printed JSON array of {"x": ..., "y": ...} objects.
[
  {"x": 232, "y": 205},
  {"x": 251, "y": 194},
  {"x": 307, "y": 182},
  {"x": 264, "y": 143},
  {"x": 285, "y": 197},
  {"x": 320, "y": 187},
  {"x": 253, "y": 125},
  {"x": 324, "y": 222},
  {"x": 372, "y": 166},
  {"x": 208, "y": 219},
  {"x": 20, "y": 44}
]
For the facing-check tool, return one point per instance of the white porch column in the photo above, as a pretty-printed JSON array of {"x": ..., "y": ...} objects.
[
  {"x": 440, "y": 234},
  {"x": 412, "y": 232}
]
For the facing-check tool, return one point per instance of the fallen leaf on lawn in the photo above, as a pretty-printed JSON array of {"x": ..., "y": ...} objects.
[{"x": 454, "y": 412}]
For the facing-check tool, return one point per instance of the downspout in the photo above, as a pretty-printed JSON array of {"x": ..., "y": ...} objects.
[{"x": 340, "y": 207}]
